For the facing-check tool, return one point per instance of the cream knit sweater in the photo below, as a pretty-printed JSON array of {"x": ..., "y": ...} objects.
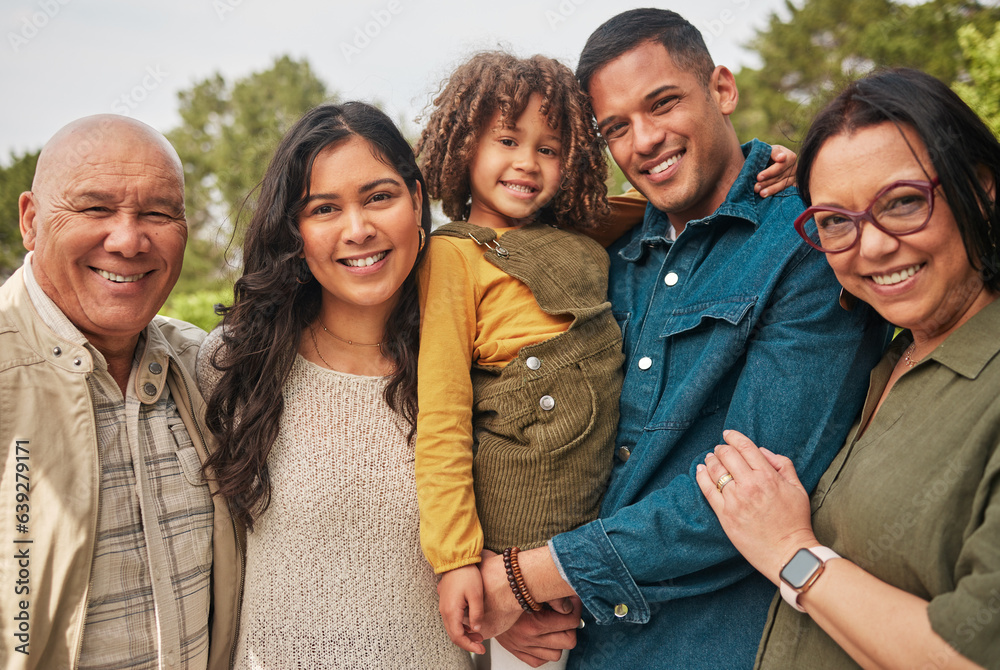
[{"x": 334, "y": 575}]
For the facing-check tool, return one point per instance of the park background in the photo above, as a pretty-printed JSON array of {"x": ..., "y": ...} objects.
[{"x": 224, "y": 79}]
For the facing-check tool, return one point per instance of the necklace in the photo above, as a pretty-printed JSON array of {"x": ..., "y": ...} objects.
[
  {"x": 312, "y": 331},
  {"x": 906, "y": 356},
  {"x": 351, "y": 342}
]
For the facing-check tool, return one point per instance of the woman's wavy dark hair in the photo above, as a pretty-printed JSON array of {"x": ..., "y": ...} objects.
[
  {"x": 264, "y": 327},
  {"x": 960, "y": 146},
  {"x": 492, "y": 82}
]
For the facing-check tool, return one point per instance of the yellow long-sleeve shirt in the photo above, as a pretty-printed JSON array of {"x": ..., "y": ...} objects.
[{"x": 471, "y": 312}]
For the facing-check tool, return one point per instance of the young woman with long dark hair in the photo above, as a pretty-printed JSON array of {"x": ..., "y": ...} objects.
[{"x": 311, "y": 380}]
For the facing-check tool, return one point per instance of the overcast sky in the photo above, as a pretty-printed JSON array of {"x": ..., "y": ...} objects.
[{"x": 63, "y": 59}]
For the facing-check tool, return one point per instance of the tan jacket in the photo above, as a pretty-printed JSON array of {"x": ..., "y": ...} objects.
[{"x": 49, "y": 460}]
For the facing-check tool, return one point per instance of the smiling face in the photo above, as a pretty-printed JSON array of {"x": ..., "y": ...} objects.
[
  {"x": 515, "y": 171},
  {"x": 669, "y": 134},
  {"x": 922, "y": 281},
  {"x": 359, "y": 229},
  {"x": 105, "y": 220}
]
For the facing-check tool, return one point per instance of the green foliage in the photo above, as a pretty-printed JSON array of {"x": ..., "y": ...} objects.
[
  {"x": 982, "y": 91},
  {"x": 824, "y": 44},
  {"x": 197, "y": 307},
  {"x": 227, "y": 134},
  {"x": 14, "y": 180}
]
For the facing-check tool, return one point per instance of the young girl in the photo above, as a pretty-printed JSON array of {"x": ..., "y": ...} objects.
[
  {"x": 519, "y": 366},
  {"x": 520, "y": 449}
]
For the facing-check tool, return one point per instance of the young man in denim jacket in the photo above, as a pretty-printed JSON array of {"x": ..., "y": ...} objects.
[{"x": 729, "y": 321}]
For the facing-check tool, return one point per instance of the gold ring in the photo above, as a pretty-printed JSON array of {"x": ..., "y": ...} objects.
[{"x": 723, "y": 480}]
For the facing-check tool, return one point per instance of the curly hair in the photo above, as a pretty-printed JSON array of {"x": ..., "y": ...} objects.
[
  {"x": 492, "y": 82},
  {"x": 277, "y": 298}
]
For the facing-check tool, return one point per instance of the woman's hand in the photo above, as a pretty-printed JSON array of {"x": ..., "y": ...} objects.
[
  {"x": 764, "y": 509},
  {"x": 779, "y": 175},
  {"x": 460, "y": 593}
]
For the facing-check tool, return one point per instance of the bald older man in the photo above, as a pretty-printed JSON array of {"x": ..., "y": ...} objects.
[{"x": 113, "y": 552}]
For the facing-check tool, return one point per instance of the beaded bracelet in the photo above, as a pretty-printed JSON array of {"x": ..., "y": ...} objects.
[{"x": 516, "y": 581}]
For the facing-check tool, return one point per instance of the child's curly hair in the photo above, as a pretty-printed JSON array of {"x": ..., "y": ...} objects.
[{"x": 496, "y": 81}]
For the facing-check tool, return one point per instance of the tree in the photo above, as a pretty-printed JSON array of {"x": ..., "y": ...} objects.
[
  {"x": 14, "y": 180},
  {"x": 982, "y": 90},
  {"x": 227, "y": 135},
  {"x": 824, "y": 44}
]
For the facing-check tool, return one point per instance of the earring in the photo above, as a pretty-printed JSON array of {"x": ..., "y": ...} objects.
[
  {"x": 423, "y": 238},
  {"x": 303, "y": 275}
]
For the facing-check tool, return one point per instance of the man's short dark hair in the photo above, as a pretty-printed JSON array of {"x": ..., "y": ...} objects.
[{"x": 624, "y": 32}]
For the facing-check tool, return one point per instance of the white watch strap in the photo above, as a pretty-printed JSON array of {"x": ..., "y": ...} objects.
[{"x": 790, "y": 595}]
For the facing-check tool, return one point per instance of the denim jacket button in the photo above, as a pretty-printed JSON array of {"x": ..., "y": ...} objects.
[
  {"x": 645, "y": 363},
  {"x": 623, "y": 453},
  {"x": 670, "y": 279},
  {"x": 533, "y": 363},
  {"x": 547, "y": 402},
  {"x": 621, "y": 610}
]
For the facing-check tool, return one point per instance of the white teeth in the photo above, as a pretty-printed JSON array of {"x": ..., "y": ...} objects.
[
  {"x": 896, "y": 277},
  {"x": 519, "y": 187},
  {"x": 119, "y": 279},
  {"x": 665, "y": 164},
  {"x": 365, "y": 262}
]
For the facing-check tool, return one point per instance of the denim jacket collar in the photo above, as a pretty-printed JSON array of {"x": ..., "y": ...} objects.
[{"x": 740, "y": 203}]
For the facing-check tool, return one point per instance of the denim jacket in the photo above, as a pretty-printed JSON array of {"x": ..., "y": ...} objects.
[{"x": 735, "y": 325}]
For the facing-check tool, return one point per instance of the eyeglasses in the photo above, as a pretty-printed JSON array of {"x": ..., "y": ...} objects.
[{"x": 901, "y": 208}]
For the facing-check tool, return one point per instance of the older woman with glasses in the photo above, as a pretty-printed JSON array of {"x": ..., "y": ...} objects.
[{"x": 895, "y": 560}]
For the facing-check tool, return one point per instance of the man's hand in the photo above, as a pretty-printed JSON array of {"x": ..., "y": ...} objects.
[
  {"x": 460, "y": 593},
  {"x": 780, "y": 174},
  {"x": 540, "y": 637}
]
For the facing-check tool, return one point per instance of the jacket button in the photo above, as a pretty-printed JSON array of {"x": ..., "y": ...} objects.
[
  {"x": 155, "y": 368},
  {"x": 56, "y": 351},
  {"x": 621, "y": 610},
  {"x": 547, "y": 402},
  {"x": 149, "y": 389},
  {"x": 77, "y": 362},
  {"x": 623, "y": 453},
  {"x": 645, "y": 363},
  {"x": 670, "y": 279},
  {"x": 533, "y": 363}
]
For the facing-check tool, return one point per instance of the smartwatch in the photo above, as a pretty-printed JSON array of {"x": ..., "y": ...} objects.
[{"x": 800, "y": 573}]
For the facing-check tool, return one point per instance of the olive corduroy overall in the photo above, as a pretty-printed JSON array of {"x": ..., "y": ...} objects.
[{"x": 544, "y": 424}]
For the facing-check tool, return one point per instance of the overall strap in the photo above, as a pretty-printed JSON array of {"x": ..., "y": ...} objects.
[{"x": 484, "y": 236}]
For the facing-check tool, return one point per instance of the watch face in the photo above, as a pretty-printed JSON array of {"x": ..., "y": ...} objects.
[{"x": 800, "y": 569}]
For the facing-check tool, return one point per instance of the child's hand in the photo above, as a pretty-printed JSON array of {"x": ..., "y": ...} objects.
[
  {"x": 779, "y": 175},
  {"x": 459, "y": 590}
]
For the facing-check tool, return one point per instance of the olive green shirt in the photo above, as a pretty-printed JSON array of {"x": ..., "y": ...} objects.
[{"x": 915, "y": 500}]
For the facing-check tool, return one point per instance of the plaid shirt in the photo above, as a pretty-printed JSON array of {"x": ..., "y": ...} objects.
[{"x": 150, "y": 589}]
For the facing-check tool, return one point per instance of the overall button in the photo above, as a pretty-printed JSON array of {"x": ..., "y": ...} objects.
[
  {"x": 547, "y": 402},
  {"x": 533, "y": 363},
  {"x": 621, "y": 610},
  {"x": 149, "y": 389},
  {"x": 623, "y": 453},
  {"x": 645, "y": 363},
  {"x": 670, "y": 279},
  {"x": 155, "y": 368}
]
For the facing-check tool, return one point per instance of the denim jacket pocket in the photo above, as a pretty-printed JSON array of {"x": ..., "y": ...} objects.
[{"x": 703, "y": 343}]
